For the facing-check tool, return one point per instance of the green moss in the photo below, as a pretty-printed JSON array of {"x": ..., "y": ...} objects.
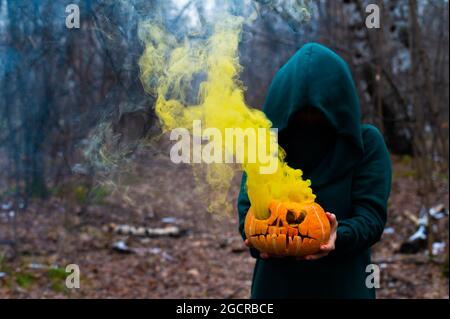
[
  {"x": 25, "y": 279},
  {"x": 59, "y": 287},
  {"x": 58, "y": 277},
  {"x": 57, "y": 274},
  {"x": 98, "y": 194}
]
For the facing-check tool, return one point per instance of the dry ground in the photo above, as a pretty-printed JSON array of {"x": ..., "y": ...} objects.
[{"x": 208, "y": 261}]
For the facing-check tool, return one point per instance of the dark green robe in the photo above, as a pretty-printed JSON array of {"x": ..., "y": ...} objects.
[{"x": 352, "y": 180}]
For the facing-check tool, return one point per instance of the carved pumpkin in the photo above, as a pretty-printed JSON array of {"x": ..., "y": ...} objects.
[{"x": 292, "y": 229}]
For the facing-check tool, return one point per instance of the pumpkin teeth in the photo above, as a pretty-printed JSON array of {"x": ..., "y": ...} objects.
[
  {"x": 274, "y": 243},
  {"x": 281, "y": 244},
  {"x": 263, "y": 229},
  {"x": 269, "y": 244},
  {"x": 270, "y": 235},
  {"x": 298, "y": 244},
  {"x": 305, "y": 236},
  {"x": 273, "y": 230},
  {"x": 292, "y": 231},
  {"x": 290, "y": 246},
  {"x": 262, "y": 242}
]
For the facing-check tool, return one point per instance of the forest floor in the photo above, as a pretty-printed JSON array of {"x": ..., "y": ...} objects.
[{"x": 207, "y": 261}]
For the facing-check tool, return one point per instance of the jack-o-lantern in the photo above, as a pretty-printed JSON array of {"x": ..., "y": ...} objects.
[{"x": 292, "y": 229}]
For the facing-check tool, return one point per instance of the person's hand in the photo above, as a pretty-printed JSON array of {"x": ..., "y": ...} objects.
[
  {"x": 262, "y": 255},
  {"x": 327, "y": 248}
]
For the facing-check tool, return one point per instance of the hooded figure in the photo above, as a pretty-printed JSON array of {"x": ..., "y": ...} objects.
[{"x": 313, "y": 102}]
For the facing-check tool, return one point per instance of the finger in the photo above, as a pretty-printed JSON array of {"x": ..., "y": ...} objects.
[
  {"x": 264, "y": 255},
  {"x": 332, "y": 219},
  {"x": 316, "y": 256},
  {"x": 327, "y": 247},
  {"x": 248, "y": 243},
  {"x": 335, "y": 222}
]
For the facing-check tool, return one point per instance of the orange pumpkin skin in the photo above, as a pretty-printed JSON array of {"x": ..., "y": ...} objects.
[{"x": 292, "y": 229}]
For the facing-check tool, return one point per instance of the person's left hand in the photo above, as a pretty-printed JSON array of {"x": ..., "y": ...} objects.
[{"x": 325, "y": 249}]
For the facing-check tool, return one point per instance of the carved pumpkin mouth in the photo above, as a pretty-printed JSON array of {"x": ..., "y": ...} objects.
[{"x": 291, "y": 229}]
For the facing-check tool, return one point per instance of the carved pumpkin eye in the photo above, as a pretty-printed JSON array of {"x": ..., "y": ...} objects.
[
  {"x": 295, "y": 218},
  {"x": 301, "y": 217},
  {"x": 290, "y": 217}
]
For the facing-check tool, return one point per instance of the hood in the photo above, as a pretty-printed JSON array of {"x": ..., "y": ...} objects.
[{"x": 317, "y": 77}]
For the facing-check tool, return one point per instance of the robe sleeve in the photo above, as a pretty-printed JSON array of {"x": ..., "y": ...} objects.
[
  {"x": 370, "y": 192},
  {"x": 243, "y": 204}
]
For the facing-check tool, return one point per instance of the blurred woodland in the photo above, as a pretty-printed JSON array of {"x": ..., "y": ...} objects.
[{"x": 80, "y": 152}]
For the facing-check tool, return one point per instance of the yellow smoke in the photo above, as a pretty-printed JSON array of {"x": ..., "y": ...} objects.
[{"x": 168, "y": 70}]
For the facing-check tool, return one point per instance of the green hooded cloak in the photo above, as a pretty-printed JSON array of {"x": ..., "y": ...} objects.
[{"x": 352, "y": 179}]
